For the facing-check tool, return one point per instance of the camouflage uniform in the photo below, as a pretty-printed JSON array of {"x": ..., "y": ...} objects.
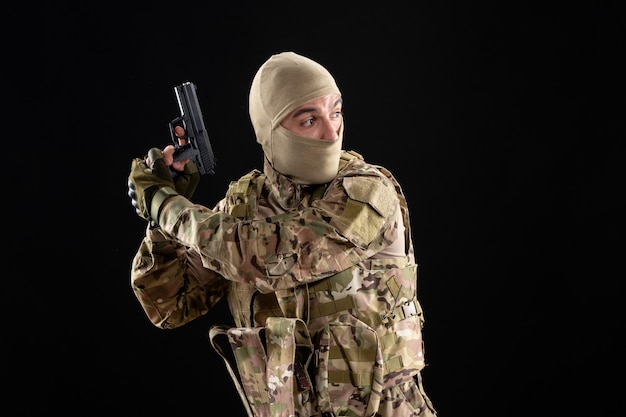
[{"x": 325, "y": 325}]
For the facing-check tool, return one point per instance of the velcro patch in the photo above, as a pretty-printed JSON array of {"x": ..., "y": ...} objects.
[
  {"x": 370, "y": 203},
  {"x": 371, "y": 191}
]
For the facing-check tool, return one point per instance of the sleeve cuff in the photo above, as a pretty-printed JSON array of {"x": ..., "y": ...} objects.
[{"x": 158, "y": 199}]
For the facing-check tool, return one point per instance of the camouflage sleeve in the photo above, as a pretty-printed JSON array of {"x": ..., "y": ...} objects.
[
  {"x": 355, "y": 219},
  {"x": 170, "y": 282}
]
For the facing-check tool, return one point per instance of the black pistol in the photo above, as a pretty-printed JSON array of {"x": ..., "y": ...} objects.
[{"x": 198, "y": 147}]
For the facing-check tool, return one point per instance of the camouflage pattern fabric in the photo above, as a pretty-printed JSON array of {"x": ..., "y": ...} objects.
[
  {"x": 289, "y": 249},
  {"x": 348, "y": 324}
]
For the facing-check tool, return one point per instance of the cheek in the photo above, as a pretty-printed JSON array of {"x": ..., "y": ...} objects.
[{"x": 338, "y": 124}]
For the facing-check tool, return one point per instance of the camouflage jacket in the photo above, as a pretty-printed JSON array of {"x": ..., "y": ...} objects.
[{"x": 309, "y": 268}]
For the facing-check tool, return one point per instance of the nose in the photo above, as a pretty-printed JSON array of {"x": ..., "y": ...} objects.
[{"x": 330, "y": 131}]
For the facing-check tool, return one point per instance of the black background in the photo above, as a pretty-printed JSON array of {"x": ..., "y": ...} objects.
[{"x": 503, "y": 124}]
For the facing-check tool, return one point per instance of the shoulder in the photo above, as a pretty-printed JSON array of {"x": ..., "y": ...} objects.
[
  {"x": 241, "y": 185},
  {"x": 353, "y": 163},
  {"x": 361, "y": 202},
  {"x": 366, "y": 183},
  {"x": 242, "y": 192}
]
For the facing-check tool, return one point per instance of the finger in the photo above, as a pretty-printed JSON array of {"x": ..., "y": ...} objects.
[
  {"x": 168, "y": 154},
  {"x": 180, "y": 165},
  {"x": 179, "y": 131}
]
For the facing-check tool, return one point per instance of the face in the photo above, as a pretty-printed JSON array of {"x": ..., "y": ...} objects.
[{"x": 317, "y": 119}]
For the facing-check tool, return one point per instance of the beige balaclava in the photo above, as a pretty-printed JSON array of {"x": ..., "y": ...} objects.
[{"x": 282, "y": 83}]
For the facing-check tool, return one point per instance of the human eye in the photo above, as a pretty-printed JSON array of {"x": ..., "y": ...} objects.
[
  {"x": 308, "y": 122},
  {"x": 337, "y": 114}
]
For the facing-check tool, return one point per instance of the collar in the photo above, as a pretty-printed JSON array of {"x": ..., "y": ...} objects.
[{"x": 286, "y": 192}]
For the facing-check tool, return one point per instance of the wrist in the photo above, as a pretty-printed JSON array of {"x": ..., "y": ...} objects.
[{"x": 158, "y": 198}]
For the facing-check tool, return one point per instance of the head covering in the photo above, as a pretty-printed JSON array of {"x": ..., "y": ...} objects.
[{"x": 284, "y": 82}]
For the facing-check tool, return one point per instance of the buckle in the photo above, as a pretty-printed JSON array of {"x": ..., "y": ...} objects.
[{"x": 409, "y": 309}]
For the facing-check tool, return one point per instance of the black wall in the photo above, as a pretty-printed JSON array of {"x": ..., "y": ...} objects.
[{"x": 505, "y": 126}]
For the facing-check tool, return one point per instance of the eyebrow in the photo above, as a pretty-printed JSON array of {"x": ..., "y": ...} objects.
[{"x": 313, "y": 109}]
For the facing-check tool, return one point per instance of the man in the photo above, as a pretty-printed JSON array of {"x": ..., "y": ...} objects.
[{"x": 314, "y": 255}]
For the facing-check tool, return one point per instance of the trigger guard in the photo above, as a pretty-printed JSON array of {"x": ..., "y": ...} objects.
[{"x": 172, "y": 125}]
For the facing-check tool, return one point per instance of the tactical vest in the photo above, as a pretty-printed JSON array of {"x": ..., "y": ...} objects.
[{"x": 326, "y": 348}]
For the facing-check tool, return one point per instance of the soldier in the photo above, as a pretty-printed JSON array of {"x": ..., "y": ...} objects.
[{"x": 314, "y": 255}]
